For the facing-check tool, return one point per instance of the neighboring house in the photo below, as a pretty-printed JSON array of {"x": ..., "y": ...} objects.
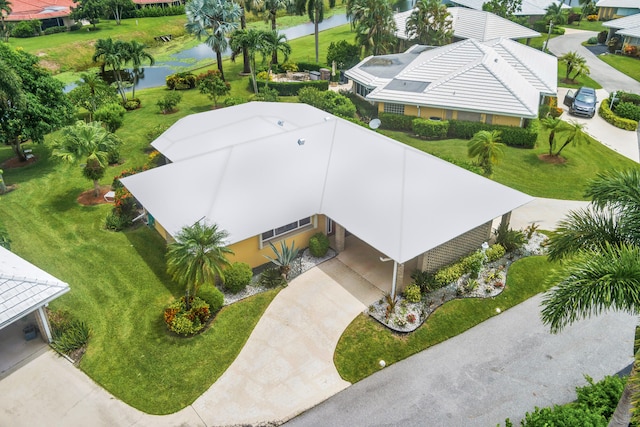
[
  {"x": 611, "y": 9},
  {"x": 267, "y": 172},
  {"x": 473, "y": 24},
  {"x": 52, "y": 13},
  {"x": 628, "y": 28},
  {"x": 24, "y": 289},
  {"x": 535, "y": 9},
  {"x": 498, "y": 81}
]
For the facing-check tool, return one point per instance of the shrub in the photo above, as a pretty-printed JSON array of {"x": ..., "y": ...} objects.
[
  {"x": 237, "y": 276},
  {"x": 345, "y": 54},
  {"x": 111, "y": 116},
  {"x": 613, "y": 119},
  {"x": 396, "y": 121},
  {"x": 233, "y": 100},
  {"x": 76, "y": 26},
  {"x": 169, "y": 102},
  {"x": 449, "y": 274},
  {"x": 430, "y": 129},
  {"x": 212, "y": 296},
  {"x": 187, "y": 322},
  {"x": 132, "y": 104},
  {"x": 363, "y": 108},
  {"x": 592, "y": 40},
  {"x": 628, "y": 110},
  {"x": 75, "y": 335},
  {"x": 629, "y": 97},
  {"x": 318, "y": 245},
  {"x": 424, "y": 280},
  {"x": 562, "y": 416},
  {"x": 495, "y": 252},
  {"x": 601, "y": 397},
  {"x": 512, "y": 136},
  {"x": 592, "y": 18},
  {"x": 573, "y": 17},
  {"x": 25, "y": 29},
  {"x": 156, "y": 131},
  {"x": 289, "y": 66},
  {"x": 181, "y": 81},
  {"x": 509, "y": 238},
  {"x": 329, "y": 101},
  {"x": 271, "y": 278},
  {"x": 291, "y": 88},
  {"x": 115, "y": 222},
  {"x": 309, "y": 66},
  {"x": 54, "y": 30},
  {"x": 602, "y": 36},
  {"x": 473, "y": 263},
  {"x": 412, "y": 293},
  {"x": 266, "y": 94},
  {"x": 156, "y": 11}
]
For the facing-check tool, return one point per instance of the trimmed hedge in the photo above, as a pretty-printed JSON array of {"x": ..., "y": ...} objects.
[
  {"x": 292, "y": 88},
  {"x": 628, "y": 110},
  {"x": 237, "y": 276},
  {"x": 430, "y": 129},
  {"x": 605, "y": 112},
  {"x": 318, "y": 245},
  {"x": 396, "y": 121},
  {"x": 511, "y": 135}
]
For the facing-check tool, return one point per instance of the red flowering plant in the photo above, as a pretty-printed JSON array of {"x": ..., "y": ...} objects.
[{"x": 411, "y": 318}]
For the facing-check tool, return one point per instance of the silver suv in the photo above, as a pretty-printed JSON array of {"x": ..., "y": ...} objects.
[{"x": 581, "y": 103}]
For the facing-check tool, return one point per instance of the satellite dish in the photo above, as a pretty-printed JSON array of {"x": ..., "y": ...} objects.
[{"x": 375, "y": 123}]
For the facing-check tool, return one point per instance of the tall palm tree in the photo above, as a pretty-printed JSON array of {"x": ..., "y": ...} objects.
[
  {"x": 576, "y": 135},
  {"x": 114, "y": 55},
  {"x": 487, "y": 148},
  {"x": 197, "y": 256},
  {"x": 315, "y": 9},
  {"x": 270, "y": 9},
  {"x": 136, "y": 55},
  {"x": 5, "y": 10},
  {"x": 600, "y": 249},
  {"x": 572, "y": 60},
  {"x": 374, "y": 25},
  {"x": 275, "y": 42},
  {"x": 251, "y": 41},
  {"x": 552, "y": 125},
  {"x": 556, "y": 13},
  {"x": 89, "y": 142},
  {"x": 92, "y": 92},
  {"x": 245, "y": 6},
  {"x": 214, "y": 20},
  {"x": 430, "y": 23}
]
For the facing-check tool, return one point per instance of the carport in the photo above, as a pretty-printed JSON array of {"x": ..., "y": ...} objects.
[{"x": 25, "y": 290}]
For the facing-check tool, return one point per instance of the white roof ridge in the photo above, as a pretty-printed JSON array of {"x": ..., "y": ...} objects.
[
  {"x": 46, "y": 282},
  {"x": 504, "y": 81},
  {"x": 333, "y": 119}
]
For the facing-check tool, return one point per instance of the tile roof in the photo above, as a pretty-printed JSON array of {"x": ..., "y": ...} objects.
[
  {"x": 24, "y": 287},
  {"x": 24, "y": 10}
]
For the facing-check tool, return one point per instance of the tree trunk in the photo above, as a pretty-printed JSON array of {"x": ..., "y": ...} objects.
[
  {"x": 274, "y": 55},
  {"x": 96, "y": 188},
  {"x": 622, "y": 415},
  {"x": 245, "y": 52},
  {"x": 315, "y": 28},
  {"x": 552, "y": 136},
  {"x": 219, "y": 62},
  {"x": 17, "y": 148}
]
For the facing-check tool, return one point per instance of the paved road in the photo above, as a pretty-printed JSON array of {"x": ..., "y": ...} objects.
[
  {"x": 501, "y": 368},
  {"x": 609, "y": 78}
]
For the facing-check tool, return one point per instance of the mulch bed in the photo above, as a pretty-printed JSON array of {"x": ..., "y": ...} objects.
[
  {"x": 15, "y": 162},
  {"x": 554, "y": 160},
  {"x": 88, "y": 198}
]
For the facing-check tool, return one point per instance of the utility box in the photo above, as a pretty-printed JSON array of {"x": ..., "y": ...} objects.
[
  {"x": 314, "y": 75},
  {"x": 325, "y": 74}
]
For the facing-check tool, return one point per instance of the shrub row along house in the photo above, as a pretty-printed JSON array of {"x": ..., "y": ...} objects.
[
  {"x": 499, "y": 81},
  {"x": 267, "y": 172}
]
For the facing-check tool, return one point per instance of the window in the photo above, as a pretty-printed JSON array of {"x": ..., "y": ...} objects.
[
  {"x": 393, "y": 108},
  {"x": 362, "y": 90},
  {"x": 267, "y": 235}
]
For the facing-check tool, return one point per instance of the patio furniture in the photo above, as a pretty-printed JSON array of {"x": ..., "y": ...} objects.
[
  {"x": 30, "y": 332},
  {"x": 110, "y": 196}
]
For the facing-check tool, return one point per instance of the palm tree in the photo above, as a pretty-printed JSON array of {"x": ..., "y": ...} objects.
[
  {"x": 600, "y": 249},
  {"x": 486, "y": 146},
  {"x": 213, "y": 19},
  {"x": 374, "y": 25},
  {"x": 556, "y": 13},
  {"x": 576, "y": 134},
  {"x": 90, "y": 142},
  {"x": 114, "y": 55},
  {"x": 197, "y": 256},
  {"x": 92, "y": 92},
  {"x": 251, "y": 41},
  {"x": 245, "y": 5},
  {"x": 273, "y": 43},
  {"x": 552, "y": 125},
  {"x": 430, "y": 23},
  {"x": 581, "y": 68},
  {"x": 136, "y": 54},
  {"x": 572, "y": 60},
  {"x": 315, "y": 9},
  {"x": 270, "y": 9},
  {"x": 5, "y": 10}
]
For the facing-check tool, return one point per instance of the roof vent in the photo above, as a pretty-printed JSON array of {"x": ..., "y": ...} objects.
[
  {"x": 301, "y": 141},
  {"x": 280, "y": 122}
]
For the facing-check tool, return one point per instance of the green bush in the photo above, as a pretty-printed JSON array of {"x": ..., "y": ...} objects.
[
  {"x": 495, "y": 252},
  {"x": 509, "y": 238},
  {"x": 26, "y": 29},
  {"x": 76, "y": 26},
  {"x": 111, "y": 116},
  {"x": 116, "y": 222},
  {"x": 187, "y": 322},
  {"x": 363, "y": 108},
  {"x": 628, "y": 110},
  {"x": 629, "y": 97},
  {"x": 567, "y": 415},
  {"x": 592, "y": 40},
  {"x": 291, "y": 88},
  {"x": 396, "y": 121},
  {"x": 156, "y": 11},
  {"x": 329, "y": 101},
  {"x": 54, "y": 30},
  {"x": 601, "y": 397},
  {"x": 237, "y": 276},
  {"x": 602, "y": 36},
  {"x": 233, "y": 100},
  {"x": 511, "y": 135},
  {"x": 181, "y": 81},
  {"x": 613, "y": 119},
  {"x": 132, "y": 104},
  {"x": 309, "y": 66},
  {"x": 212, "y": 296},
  {"x": 169, "y": 102},
  {"x": 412, "y": 293},
  {"x": 271, "y": 278},
  {"x": 75, "y": 335},
  {"x": 344, "y": 53},
  {"x": 318, "y": 245},
  {"x": 449, "y": 274},
  {"x": 473, "y": 263},
  {"x": 424, "y": 280},
  {"x": 430, "y": 129}
]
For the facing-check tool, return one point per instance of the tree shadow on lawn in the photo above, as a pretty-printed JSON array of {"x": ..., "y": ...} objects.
[{"x": 151, "y": 248}]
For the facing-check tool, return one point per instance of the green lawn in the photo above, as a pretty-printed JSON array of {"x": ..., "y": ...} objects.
[
  {"x": 521, "y": 168},
  {"x": 625, "y": 64},
  {"x": 365, "y": 341}
]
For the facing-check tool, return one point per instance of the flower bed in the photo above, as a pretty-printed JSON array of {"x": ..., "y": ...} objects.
[{"x": 406, "y": 316}]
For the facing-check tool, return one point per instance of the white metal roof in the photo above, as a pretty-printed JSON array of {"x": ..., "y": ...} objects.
[
  {"x": 398, "y": 199},
  {"x": 631, "y": 4},
  {"x": 624, "y": 23},
  {"x": 630, "y": 32},
  {"x": 498, "y": 77},
  {"x": 24, "y": 287},
  {"x": 472, "y": 24},
  {"x": 528, "y": 7}
]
